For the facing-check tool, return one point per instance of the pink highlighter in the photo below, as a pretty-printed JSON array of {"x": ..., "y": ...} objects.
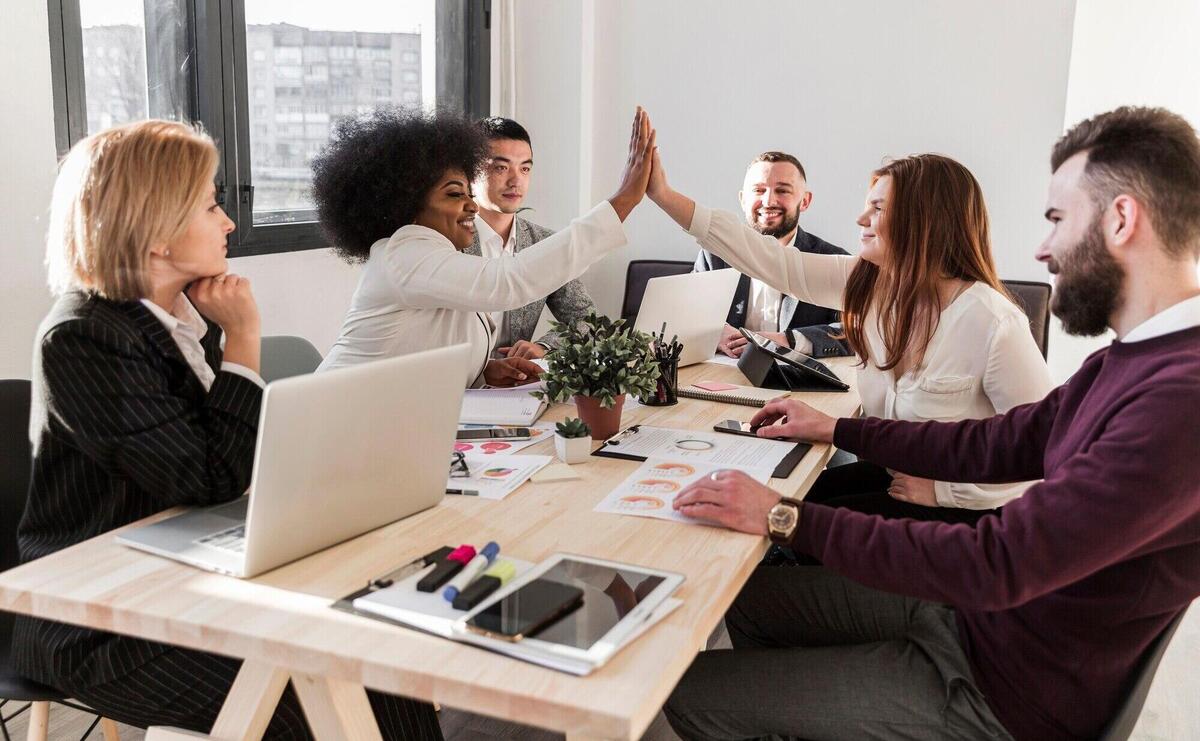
[{"x": 447, "y": 568}]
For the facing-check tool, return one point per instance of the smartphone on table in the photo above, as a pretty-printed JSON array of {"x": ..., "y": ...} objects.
[
  {"x": 734, "y": 427},
  {"x": 493, "y": 433},
  {"x": 528, "y": 610}
]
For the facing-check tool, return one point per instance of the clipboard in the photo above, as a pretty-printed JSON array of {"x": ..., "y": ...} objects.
[{"x": 612, "y": 449}]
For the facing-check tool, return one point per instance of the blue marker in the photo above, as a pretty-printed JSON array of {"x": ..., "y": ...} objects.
[{"x": 472, "y": 570}]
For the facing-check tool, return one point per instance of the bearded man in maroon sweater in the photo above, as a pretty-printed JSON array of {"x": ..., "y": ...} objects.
[{"x": 1033, "y": 623}]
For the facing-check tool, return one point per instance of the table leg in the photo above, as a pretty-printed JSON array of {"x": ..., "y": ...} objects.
[
  {"x": 247, "y": 709},
  {"x": 336, "y": 710}
]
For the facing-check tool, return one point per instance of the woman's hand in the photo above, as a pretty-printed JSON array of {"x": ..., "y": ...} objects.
[
  {"x": 912, "y": 490},
  {"x": 227, "y": 300},
  {"x": 510, "y": 372},
  {"x": 730, "y": 499},
  {"x": 523, "y": 349},
  {"x": 637, "y": 166},
  {"x": 794, "y": 419}
]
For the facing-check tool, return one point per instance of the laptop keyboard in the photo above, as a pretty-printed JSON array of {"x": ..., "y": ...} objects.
[{"x": 231, "y": 539}]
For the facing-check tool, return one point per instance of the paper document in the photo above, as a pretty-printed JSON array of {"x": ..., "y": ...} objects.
[
  {"x": 537, "y": 433},
  {"x": 496, "y": 476},
  {"x": 501, "y": 406},
  {"x": 731, "y": 451},
  {"x": 650, "y": 490}
]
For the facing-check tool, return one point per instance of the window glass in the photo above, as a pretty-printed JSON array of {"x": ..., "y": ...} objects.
[
  {"x": 313, "y": 63},
  {"x": 126, "y": 79}
]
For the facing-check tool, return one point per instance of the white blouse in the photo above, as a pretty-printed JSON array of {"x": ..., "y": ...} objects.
[
  {"x": 418, "y": 292},
  {"x": 981, "y": 361}
]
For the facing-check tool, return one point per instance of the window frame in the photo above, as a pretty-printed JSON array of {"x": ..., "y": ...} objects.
[{"x": 219, "y": 97}]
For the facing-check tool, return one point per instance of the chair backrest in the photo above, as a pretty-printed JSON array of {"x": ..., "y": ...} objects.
[
  {"x": 1121, "y": 726},
  {"x": 1034, "y": 300},
  {"x": 284, "y": 356},
  {"x": 638, "y": 274},
  {"x": 16, "y": 465}
]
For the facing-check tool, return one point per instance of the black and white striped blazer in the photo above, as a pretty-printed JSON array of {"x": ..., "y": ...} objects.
[{"x": 121, "y": 428}]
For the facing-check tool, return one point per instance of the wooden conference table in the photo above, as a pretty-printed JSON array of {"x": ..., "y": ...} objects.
[{"x": 282, "y": 625}]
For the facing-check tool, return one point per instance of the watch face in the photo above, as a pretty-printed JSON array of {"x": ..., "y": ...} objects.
[{"x": 782, "y": 517}]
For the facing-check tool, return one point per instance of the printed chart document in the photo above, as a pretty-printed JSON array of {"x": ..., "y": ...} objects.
[
  {"x": 731, "y": 451},
  {"x": 650, "y": 490},
  {"x": 496, "y": 476},
  {"x": 537, "y": 433}
]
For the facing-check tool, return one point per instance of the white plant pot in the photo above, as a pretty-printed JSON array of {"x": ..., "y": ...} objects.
[{"x": 572, "y": 449}]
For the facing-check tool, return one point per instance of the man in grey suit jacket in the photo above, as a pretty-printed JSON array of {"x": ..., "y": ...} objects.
[{"x": 499, "y": 191}]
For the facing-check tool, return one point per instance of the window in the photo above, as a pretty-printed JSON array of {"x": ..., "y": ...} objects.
[{"x": 267, "y": 78}]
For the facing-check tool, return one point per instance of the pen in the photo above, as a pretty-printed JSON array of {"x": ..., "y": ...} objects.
[
  {"x": 472, "y": 570},
  {"x": 410, "y": 568},
  {"x": 494, "y": 578}
]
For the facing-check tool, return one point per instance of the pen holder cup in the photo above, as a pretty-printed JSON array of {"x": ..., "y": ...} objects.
[{"x": 666, "y": 393}]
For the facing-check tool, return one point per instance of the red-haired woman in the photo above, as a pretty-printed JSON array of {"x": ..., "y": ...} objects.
[{"x": 938, "y": 336}]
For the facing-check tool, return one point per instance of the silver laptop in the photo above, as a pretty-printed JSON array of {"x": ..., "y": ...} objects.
[
  {"x": 693, "y": 305},
  {"x": 338, "y": 454}
]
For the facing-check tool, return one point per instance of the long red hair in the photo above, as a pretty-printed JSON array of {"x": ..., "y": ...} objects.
[{"x": 936, "y": 225}]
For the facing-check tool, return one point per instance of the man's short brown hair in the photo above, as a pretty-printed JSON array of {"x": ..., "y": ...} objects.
[
  {"x": 774, "y": 156},
  {"x": 1149, "y": 153}
]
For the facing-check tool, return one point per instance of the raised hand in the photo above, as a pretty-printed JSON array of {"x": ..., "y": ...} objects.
[{"x": 637, "y": 166}]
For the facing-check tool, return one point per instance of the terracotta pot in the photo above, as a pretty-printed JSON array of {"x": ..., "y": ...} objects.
[{"x": 604, "y": 423}]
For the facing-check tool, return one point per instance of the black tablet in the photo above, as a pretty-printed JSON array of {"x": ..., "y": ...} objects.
[{"x": 795, "y": 359}]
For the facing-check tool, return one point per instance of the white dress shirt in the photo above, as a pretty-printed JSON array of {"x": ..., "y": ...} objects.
[
  {"x": 491, "y": 245},
  {"x": 762, "y": 310},
  {"x": 187, "y": 328},
  {"x": 981, "y": 361},
  {"x": 418, "y": 292},
  {"x": 1181, "y": 316}
]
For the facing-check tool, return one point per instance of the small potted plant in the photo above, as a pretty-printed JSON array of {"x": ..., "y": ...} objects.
[
  {"x": 597, "y": 362},
  {"x": 572, "y": 440}
]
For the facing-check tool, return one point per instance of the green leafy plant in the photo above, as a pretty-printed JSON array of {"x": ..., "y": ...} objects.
[
  {"x": 600, "y": 358},
  {"x": 572, "y": 427}
]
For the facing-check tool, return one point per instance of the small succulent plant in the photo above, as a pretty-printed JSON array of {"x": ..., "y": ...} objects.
[{"x": 572, "y": 427}]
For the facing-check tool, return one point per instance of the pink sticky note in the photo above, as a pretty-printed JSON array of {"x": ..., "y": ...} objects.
[{"x": 714, "y": 386}]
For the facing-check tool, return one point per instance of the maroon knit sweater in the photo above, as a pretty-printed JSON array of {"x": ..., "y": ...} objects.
[{"x": 1059, "y": 596}]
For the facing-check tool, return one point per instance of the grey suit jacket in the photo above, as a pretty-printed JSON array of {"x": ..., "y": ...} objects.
[{"x": 568, "y": 304}]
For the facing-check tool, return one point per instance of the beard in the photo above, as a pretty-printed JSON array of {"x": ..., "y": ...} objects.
[
  {"x": 1087, "y": 290},
  {"x": 785, "y": 226}
]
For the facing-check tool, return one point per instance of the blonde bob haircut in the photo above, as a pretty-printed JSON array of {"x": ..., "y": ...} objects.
[{"x": 118, "y": 194}]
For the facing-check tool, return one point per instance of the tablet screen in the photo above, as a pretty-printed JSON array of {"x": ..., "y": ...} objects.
[
  {"x": 608, "y": 595},
  {"x": 795, "y": 357}
]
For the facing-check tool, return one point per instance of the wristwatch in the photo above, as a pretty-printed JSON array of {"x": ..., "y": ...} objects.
[{"x": 782, "y": 520}]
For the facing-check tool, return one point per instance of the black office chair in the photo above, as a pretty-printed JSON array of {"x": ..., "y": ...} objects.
[
  {"x": 1034, "y": 300},
  {"x": 1121, "y": 726},
  {"x": 16, "y": 460},
  {"x": 638, "y": 274},
  {"x": 284, "y": 356}
]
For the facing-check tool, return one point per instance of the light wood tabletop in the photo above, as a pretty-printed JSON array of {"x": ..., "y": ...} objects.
[{"x": 282, "y": 623}]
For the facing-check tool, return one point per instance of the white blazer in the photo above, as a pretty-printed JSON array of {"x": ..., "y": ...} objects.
[
  {"x": 418, "y": 292},
  {"x": 981, "y": 361}
]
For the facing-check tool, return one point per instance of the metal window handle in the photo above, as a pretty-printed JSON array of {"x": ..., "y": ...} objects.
[{"x": 247, "y": 197}]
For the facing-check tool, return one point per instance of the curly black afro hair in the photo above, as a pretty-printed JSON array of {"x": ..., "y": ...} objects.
[{"x": 375, "y": 173}]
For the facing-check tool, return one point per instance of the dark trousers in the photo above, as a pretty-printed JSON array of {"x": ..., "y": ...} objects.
[
  {"x": 186, "y": 689},
  {"x": 818, "y": 656},
  {"x": 863, "y": 487}
]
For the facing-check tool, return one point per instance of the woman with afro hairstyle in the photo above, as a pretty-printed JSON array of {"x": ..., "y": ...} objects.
[{"x": 393, "y": 190}]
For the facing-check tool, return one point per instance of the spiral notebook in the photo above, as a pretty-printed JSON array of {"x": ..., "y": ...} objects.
[{"x": 728, "y": 393}]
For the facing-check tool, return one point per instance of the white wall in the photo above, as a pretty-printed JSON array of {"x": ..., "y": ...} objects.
[
  {"x": 840, "y": 85},
  {"x": 1124, "y": 53},
  {"x": 27, "y": 159}
]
